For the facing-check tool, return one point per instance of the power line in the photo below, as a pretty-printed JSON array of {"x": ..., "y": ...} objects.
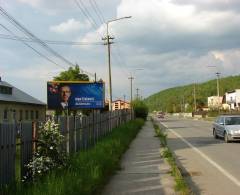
[
  {"x": 33, "y": 37},
  {"x": 86, "y": 13},
  {"x": 119, "y": 64},
  {"x": 96, "y": 10},
  {"x": 17, "y": 38},
  {"x": 39, "y": 53},
  {"x": 119, "y": 53},
  {"x": 88, "y": 16},
  {"x": 99, "y": 10},
  {"x": 118, "y": 50}
]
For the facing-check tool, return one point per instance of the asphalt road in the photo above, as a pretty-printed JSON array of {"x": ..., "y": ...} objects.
[{"x": 209, "y": 165}]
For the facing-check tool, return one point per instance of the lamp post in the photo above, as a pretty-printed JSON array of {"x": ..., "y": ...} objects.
[{"x": 108, "y": 43}]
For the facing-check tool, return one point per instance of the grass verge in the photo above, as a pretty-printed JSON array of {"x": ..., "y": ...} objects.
[
  {"x": 89, "y": 170},
  {"x": 181, "y": 185}
]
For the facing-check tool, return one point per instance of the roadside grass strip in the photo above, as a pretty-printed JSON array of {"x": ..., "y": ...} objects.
[
  {"x": 181, "y": 185},
  {"x": 87, "y": 171}
]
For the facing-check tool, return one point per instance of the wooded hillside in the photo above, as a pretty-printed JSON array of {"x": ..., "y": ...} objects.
[{"x": 173, "y": 99}]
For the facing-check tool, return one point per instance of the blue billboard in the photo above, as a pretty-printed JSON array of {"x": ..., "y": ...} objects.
[{"x": 75, "y": 95}]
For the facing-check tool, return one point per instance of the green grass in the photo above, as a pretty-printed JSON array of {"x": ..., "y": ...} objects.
[
  {"x": 181, "y": 185},
  {"x": 89, "y": 170}
]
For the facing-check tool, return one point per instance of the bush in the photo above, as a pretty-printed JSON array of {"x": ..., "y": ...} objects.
[
  {"x": 48, "y": 154},
  {"x": 140, "y": 109},
  {"x": 88, "y": 170}
]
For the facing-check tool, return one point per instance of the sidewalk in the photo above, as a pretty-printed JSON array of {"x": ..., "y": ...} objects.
[{"x": 143, "y": 170}]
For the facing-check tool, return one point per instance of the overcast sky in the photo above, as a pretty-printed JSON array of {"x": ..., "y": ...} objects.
[{"x": 173, "y": 41}]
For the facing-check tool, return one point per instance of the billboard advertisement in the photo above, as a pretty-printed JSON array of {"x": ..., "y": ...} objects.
[{"x": 75, "y": 95}]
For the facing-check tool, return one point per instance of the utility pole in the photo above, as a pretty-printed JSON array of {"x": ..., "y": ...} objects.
[
  {"x": 131, "y": 79},
  {"x": 183, "y": 104},
  {"x": 108, "y": 43},
  {"x": 218, "y": 75},
  {"x": 218, "y": 102},
  {"x": 137, "y": 93},
  {"x": 194, "y": 97}
]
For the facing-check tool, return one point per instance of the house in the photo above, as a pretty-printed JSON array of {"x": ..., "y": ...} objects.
[
  {"x": 16, "y": 105},
  {"x": 120, "y": 104},
  {"x": 214, "y": 102},
  {"x": 232, "y": 99}
]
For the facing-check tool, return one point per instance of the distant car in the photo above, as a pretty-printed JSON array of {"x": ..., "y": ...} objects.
[
  {"x": 227, "y": 127},
  {"x": 160, "y": 115}
]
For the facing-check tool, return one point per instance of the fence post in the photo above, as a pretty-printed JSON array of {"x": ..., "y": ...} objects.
[
  {"x": 71, "y": 134},
  {"x": 77, "y": 133},
  {"x": 62, "y": 121},
  {"x": 84, "y": 128},
  {"x": 7, "y": 153},
  {"x": 26, "y": 146}
]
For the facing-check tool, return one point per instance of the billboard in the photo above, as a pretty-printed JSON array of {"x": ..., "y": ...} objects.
[{"x": 75, "y": 95}]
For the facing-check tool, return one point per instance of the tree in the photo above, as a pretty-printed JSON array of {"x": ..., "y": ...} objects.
[
  {"x": 72, "y": 74},
  {"x": 140, "y": 109}
]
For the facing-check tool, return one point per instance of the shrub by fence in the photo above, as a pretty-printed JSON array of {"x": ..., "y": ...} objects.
[{"x": 80, "y": 134}]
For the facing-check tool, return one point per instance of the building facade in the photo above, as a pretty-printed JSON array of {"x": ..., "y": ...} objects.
[
  {"x": 120, "y": 104},
  {"x": 215, "y": 102},
  {"x": 232, "y": 99},
  {"x": 16, "y": 105}
]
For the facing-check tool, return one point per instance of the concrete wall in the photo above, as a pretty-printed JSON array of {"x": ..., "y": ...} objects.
[{"x": 14, "y": 110}]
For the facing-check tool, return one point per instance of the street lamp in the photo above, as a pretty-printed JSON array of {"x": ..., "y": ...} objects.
[{"x": 109, "y": 59}]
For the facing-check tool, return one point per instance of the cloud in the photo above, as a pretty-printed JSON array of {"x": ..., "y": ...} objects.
[
  {"x": 33, "y": 3},
  {"x": 46, "y": 4},
  {"x": 71, "y": 25},
  {"x": 173, "y": 40},
  {"x": 165, "y": 26}
]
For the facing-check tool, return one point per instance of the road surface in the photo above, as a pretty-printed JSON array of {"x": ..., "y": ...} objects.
[{"x": 209, "y": 165}]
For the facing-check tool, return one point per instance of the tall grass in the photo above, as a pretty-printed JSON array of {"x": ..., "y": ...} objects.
[{"x": 87, "y": 171}]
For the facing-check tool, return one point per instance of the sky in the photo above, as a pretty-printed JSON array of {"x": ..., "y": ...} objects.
[{"x": 166, "y": 43}]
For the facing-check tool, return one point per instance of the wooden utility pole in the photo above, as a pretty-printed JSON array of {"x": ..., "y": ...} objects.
[
  {"x": 218, "y": 94},
  {"x": 131, "y": 79},
  {"x": 108, "y": 43},
  {"x": 194, "y": 97},
  {"x": 137, "y": 93},
  {"x": 218, "y": 75}
]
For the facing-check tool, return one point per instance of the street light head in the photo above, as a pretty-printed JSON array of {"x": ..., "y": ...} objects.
[{"x": 126, "y": 17}]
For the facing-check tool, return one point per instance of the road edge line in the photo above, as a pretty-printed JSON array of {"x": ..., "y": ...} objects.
[{"x": 213, "y": 163}]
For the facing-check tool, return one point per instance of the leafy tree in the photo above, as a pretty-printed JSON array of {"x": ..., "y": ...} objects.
[
  {"x": 140, "y": 109},
  {"x": 72, "y": 74}
]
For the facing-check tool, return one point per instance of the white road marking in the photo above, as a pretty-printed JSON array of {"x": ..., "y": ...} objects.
[{"x": 217, "y": 166}]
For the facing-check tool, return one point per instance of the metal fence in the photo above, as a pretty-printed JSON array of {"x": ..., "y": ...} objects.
[{"x": 17, "y": 142}]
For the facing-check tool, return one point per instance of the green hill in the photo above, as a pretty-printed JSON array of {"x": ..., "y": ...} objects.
[{"x": 172, "y": 99}]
